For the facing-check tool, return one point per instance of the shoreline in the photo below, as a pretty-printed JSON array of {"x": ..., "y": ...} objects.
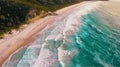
[{"x": 28, "y": 34}]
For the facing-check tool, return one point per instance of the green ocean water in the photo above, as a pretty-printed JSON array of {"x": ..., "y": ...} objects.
[{"x": 97, "y": 43}]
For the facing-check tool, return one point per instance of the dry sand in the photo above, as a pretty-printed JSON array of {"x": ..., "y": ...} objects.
[{"x": 11, "y": 44}]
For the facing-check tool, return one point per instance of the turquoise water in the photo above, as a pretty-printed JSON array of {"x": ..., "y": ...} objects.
[
  {"x": 98, "y": 44},
  {"x": 95, "y": 43}
]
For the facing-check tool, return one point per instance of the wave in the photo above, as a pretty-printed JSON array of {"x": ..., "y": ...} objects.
[{"x": 89, "y": 36}]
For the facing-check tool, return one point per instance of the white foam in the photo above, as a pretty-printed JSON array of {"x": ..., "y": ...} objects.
[
  {"x": 72, "y": 23},
  {"x": 59, "y": 30}
]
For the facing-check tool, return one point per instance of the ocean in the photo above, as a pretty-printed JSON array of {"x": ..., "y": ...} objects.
[{"x": 78, "y": 40}]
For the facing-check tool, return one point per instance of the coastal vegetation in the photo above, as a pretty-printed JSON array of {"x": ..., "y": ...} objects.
[{"x": 14, "y": 13}]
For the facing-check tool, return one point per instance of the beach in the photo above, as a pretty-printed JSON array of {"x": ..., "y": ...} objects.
[
  {"x": 80, "y": 35},
  {"x": 29, "y": 33}
]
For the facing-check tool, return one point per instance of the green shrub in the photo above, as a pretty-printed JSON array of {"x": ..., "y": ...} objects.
[{"x": 13, "y": 13}]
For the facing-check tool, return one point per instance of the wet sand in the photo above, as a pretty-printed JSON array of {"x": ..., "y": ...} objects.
[{"x": 27, "y": 35}]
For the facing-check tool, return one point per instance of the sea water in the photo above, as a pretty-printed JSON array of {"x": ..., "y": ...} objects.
[
  {"x": 89, "y": 40},
  {"x": 98, "y": 43}
]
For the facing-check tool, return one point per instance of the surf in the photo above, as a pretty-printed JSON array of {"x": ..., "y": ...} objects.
[{"x": 88, "y": 36}]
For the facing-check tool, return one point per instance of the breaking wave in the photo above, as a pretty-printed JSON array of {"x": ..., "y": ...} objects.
[{"x": 79, "y": 40}]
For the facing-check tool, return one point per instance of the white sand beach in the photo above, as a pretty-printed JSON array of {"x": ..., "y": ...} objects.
[{"x": 27, "y": 35}]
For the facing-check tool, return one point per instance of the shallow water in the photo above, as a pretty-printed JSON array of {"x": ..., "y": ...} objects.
[{"x": 89, "y": 40}]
